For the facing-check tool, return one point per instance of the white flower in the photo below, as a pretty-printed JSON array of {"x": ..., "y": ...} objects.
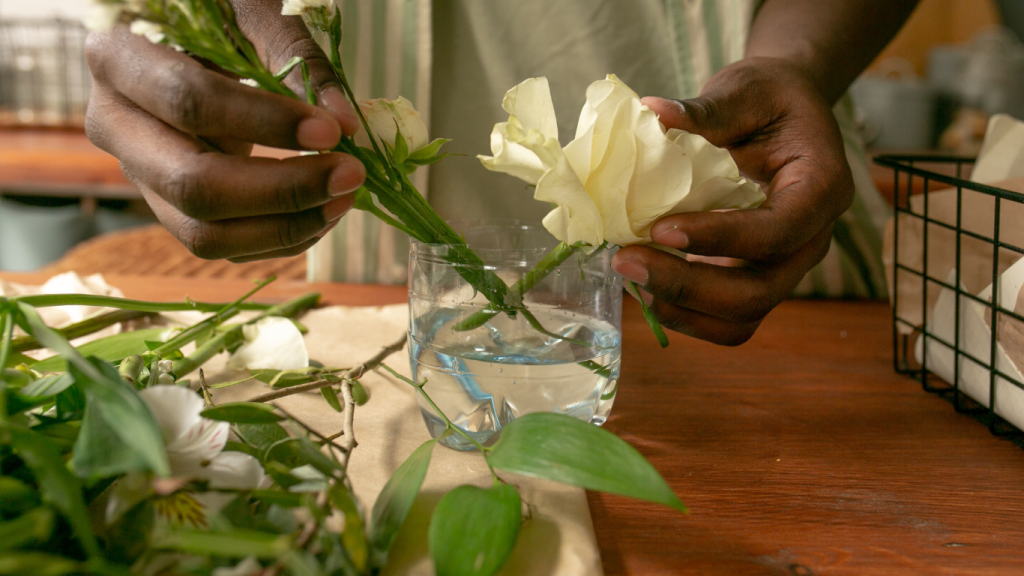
[
  {"x": 247, "y": 567},
  {"x": 620, "y": 174},
  {"x": 386, "y": 117},
  {"x": 151, "y": 30},
  {"x": 297, "y": 7},
  {"x": 273, "y": 343},
  {"x": 194, "y": 450}
]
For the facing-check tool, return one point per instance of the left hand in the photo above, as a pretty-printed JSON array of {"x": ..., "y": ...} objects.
[{"x": 782, "y": 133}]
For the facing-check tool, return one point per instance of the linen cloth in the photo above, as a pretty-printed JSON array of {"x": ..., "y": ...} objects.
[{"x": 455, "y": 59}]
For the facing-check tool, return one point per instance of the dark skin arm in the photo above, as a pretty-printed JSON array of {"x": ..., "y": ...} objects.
[{"x": 772, "y": 110}]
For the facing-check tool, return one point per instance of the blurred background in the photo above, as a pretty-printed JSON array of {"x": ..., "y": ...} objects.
[{"x": 954, "y": 64}]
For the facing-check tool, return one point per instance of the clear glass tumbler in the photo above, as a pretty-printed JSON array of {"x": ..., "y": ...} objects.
[{"x": 561, "y": 355}]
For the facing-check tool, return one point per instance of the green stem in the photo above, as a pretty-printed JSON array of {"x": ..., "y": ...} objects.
[
  {"x": 193, "y": 332},
  {"x": 48, "y": 300},
  {"x": 215, "y": 344},
  {"x": 5, "y": 350},
  {"x": 652, "y": 321},
  {"x": 83, "y": 328}
]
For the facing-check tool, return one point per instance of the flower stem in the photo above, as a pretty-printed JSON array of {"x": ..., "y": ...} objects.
[
  {"x": 652, "y": 321},
  {"x": 83, "y": 328},
  {"x": 48, "y": 300},
  {"x": 549, "y": 262},
  {"x": 215, "y": 344}
]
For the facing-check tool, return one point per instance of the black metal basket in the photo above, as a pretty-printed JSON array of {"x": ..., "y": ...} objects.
[
  {"x": 44, "y": 78},
  {"x": 948, "y": 173}
]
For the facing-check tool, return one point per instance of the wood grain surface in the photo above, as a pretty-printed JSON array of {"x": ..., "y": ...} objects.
[{"x": 799, "y": 453}]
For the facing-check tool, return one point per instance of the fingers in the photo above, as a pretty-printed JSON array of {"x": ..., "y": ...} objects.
[
  {"x": 206, "y": 184},
  {"x": 267, "y": 236},
  {"x": 200, "y": 102},
  {"x": 717, "y": 303},
  {"x": 287, "y": 38},
  {"x": 780, "y": 131}
]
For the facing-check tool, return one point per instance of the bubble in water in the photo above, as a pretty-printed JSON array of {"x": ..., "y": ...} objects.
[
  {"x": 513, "y": 382},
  {"x": 558, "y": 272},
  {"x": 500, "y": 370}
]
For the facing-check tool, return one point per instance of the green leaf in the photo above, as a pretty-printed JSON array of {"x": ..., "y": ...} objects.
[
  {"x": 332, "y": 397},
  {"x": 119, "y": 401},
  {"x": 278, "y": 497},
  {"x": 288, "y": 67},
  {"x": 561, "y": 448},
  {"x": 428, "y": 152},
  {"x": 17, "y": 358},
  {"x": 101, "y": 449},
  {"x": 243, "y": 413},
  {"x": 261, "y": 436},
  {"x": 70, "y": 403},
  {"x": 354, "y": 536},
  {"x": 283, "y": 378},
  {"x": 56, "y": 485},
  {"x": 111, "y": 349},
  {"x": 473, "y": 530},
  {"x": 128, "y": 538},
  {"x": 395, "y": 500},
  {"x": 296, "y": 452},
  {"x": 401, "y": 147},
  {"x": 47, "y": 386},
  {"x": 16, "y": 497},
  {"x": 359, "y": 394},
  {"x": 234, "y": 544},
  {"x": 36, "y": 564},
  {"x": 33, "y": 526}
]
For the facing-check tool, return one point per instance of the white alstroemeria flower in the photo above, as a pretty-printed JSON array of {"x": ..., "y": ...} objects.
[
  {"x": 386, "y": 117},
  {"x": 273, "y": 343},
  {"x": 297, "y": 7},
  {"x": 195, "y": 449},
  {"x": 620, "y": 174},
  {"x": 247, "y": 567},
  {"x": 151, "y": 30}
]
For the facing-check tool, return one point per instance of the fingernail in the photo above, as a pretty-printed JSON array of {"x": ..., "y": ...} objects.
[
  {"x": 335, "y": 209},
  {"x": 672, "y": 237},
  {"x": 632, "y": 270},
  {"x": 346, "y": 177},
  {"x": 333, "y": 100},
  {"x": 318, "y": 132}
]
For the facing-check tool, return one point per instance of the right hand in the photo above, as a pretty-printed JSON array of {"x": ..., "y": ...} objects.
[{"x": 183, "y": 134}]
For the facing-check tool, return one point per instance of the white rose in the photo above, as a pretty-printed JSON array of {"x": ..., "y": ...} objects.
[
  {"x": 620, "y": 174},
  {"x": 386, "y": 117}
]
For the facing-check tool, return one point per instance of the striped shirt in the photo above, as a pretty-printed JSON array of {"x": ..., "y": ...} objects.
[{"x": 456, "y": 58}]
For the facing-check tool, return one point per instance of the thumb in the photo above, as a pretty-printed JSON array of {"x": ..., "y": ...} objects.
[
  {"x": 698, "y": 116},
  {"x": 278, "y": 39}
]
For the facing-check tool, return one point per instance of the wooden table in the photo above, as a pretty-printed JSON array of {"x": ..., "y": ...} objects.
[{"x": 799, "y": 453}]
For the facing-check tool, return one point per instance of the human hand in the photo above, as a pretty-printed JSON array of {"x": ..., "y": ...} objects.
[
  {"x": 183, "y": 133},
  {"x": 782, "y": 133}
]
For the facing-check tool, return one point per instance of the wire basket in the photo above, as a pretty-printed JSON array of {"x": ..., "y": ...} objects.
[
  {"x": 977, "y": 230},
  {"x": 44, "y": 78}
]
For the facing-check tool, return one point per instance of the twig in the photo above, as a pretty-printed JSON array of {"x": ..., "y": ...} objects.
[
  {"x": 348, "y": 429},
  {"x": 352, "y": 374},
  {"x": 205, "y": 389}
]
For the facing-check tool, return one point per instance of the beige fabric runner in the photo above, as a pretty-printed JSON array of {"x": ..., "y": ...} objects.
[{"x": 558, "y": 538}]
